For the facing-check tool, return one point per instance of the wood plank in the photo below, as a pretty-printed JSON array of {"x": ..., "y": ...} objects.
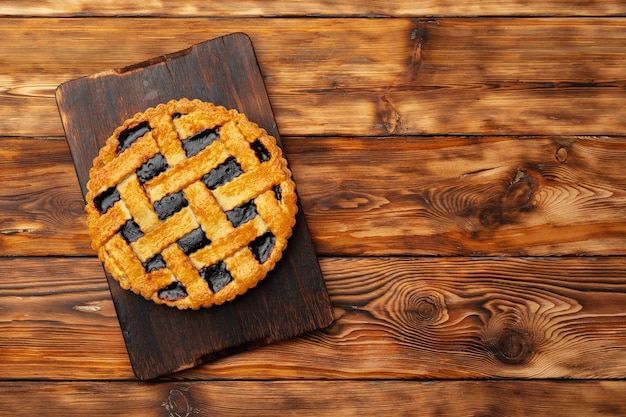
[
  {"x": 465, "y": 196},
  {"x": 396, "y": 318},
  {"x": 262, "y": 8},
  {"x": 55, "y": 314},
  {"x": 316, "y": 398},
  {"x": 41, "y": 208},
  {"x": 355, "y": 76},
  {"x": 290, "y": 301}
]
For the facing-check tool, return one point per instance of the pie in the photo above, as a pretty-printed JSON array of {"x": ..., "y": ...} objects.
[{"x": 190, "y": 204}]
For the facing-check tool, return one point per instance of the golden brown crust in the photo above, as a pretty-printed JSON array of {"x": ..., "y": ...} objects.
[{"x": 199, "y": 253}]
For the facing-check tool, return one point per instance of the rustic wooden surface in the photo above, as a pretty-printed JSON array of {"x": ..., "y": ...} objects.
[{"x": 460, "y": 166}]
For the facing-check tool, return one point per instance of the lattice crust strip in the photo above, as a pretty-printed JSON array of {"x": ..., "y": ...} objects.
[{"x": 190, "y": 204}]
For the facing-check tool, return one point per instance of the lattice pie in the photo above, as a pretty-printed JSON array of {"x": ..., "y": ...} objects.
[{"x": 190, "y": 204}]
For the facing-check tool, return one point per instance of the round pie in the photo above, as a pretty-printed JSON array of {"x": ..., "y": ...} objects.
[{"x": 190, "y": 204}]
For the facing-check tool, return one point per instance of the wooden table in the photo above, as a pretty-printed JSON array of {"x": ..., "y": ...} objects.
[{"x": 461, "y": 169}]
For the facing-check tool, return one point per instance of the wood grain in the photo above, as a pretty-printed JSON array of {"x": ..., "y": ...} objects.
[
  {"x": 355, "y": 76},
  {"x": 505, "y": 121},
  {"x": 41, "y": 208},
  {"x": 262, "y": 8},
  {"x": 56, "y": 314},
  {"x": 316, "y": 398},
  {"x": 395, "y": 318},
  {"x": 463, "y": 196},
  {"x": 401, "y": 196}
]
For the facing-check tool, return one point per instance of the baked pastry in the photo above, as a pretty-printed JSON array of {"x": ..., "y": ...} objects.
[{"x": 190, "y": 204}]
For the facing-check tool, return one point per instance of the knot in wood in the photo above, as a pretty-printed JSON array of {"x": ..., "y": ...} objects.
[
  {"x": 490, "y": 216},
  {"x": 426, "y": 308},
  {"x": 76, "y": 207},
  {"x": 512, "y": 347},
  {"x": 562, "y": 154},
  {"x": 518, "y": 197},
  {"x": 389, "y": 116},
  {"x": 177, "y": 404}
]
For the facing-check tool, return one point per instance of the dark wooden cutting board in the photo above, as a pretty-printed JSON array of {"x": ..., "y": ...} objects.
[{"x": 290, "y": 301}]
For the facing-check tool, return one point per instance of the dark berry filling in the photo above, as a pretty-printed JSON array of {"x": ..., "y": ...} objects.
[
  {"x": 106, "y": 199},
  {"x": 155, "y": 263},
  {"x": 243, "y": 213},
  {"x": 200, "y": 140},
  {"x": 193, "y": 241},
  {"x": 170, "y": 204},
  {"x": 129, "y": 136},
  {"x": 262, "y": 246},
  {"x": 278, "y": 193},
  {"x": 223, "y": 173},
  {"x": 131, "y": 231},
  {"x": 261, "y": 151},
  {"x": 173, "y": 292},
  {"x": 153, "y": 167},
  {"x": 217, "y": 276}
]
